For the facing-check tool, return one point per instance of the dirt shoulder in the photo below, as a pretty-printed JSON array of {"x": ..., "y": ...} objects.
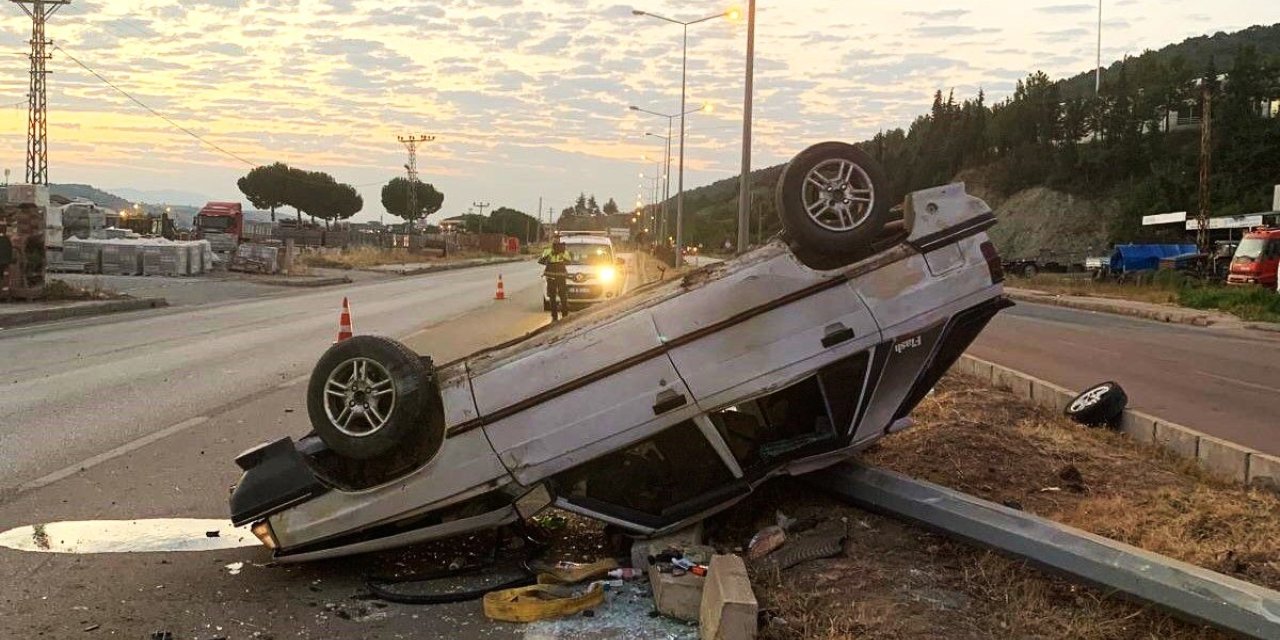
[{"x": 899, "y": 581}]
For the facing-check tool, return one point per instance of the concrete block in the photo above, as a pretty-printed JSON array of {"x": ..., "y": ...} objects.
[
  {"x": 677, "y": 596},
  {"x": 982, "y": 370},
  {"x": 729, "y": 607},
  {"x": 1223, "y": 458},
  {"x": 964, "y": 365},
  {"x": 1012, "y": 380},
  {"x": 1264, "y": 470},
  {"x": 1178, "y": 439},
  {"x": 1050, "y": 396},
  {"x": 686, "y": 538},
  {"x": 1139, "y": 426}
]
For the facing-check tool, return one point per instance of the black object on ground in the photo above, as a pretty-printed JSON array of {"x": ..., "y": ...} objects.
[{"x": 1099, "y": 405}]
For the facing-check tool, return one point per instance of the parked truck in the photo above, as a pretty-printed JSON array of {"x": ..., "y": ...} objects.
[
  {"x": 1257, "y": 259},
  {"x": 222, "y": 224}
]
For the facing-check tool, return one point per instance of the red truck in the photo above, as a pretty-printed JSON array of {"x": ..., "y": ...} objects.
[
  {"x": 222, "y": 224},
  {"x": 1257, "y": 259}
]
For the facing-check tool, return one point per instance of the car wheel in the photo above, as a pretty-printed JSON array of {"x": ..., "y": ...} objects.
[
  {"x": 1099, "y": 405},
  {"x": 1029, "y": 271},
  {"x": 371, "y": 396},
  {"x": 833, "y": 201}
]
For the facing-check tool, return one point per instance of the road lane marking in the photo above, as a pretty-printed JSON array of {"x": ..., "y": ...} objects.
[
  {"x": 128, "y": 447},
  {"x": 1239, "y": 382}
]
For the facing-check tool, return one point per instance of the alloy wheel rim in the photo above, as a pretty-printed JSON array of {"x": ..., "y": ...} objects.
[
  {"x": 359, "y": 397},
  {"x": 838, "y": 195}
]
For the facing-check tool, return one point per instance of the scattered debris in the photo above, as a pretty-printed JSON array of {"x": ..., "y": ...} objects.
[
  {"x": 765, "y": 542},
  {"x": 565, "y": 572},
  {"x": 93, "y": 627},
  {"x": 234, "y": 568},
  {"x": 824, "y": 542}
]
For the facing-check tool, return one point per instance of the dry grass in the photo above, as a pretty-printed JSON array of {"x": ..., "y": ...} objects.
[
  {"x": 897, "y": 581},
  {"x": 987, "y": 443},
  {"x": 1082, "y": 286}
]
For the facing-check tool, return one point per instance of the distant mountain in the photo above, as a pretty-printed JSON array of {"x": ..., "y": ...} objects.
[
  {"x": 1196, "y": 53},
  {"x": 98, "y": 196},
  {"x": 164, "y": 196}
]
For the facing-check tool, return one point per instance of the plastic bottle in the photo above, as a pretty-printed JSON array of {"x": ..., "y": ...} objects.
[{"x": 625, "y": 573}]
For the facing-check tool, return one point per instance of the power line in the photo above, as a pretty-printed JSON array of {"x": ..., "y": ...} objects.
[
  {"x": 181, "y": 128},
  {"x": 153, "y": 111}
]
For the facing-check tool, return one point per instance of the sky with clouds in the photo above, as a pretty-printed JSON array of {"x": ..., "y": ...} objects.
[{"x": 526, "y": 98}]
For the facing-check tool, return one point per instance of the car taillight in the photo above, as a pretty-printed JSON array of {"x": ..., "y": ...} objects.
[{"x": 992, "y": 257}]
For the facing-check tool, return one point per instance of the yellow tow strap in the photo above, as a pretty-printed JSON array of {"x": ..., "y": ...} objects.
[{"x": 541, "y": 602}]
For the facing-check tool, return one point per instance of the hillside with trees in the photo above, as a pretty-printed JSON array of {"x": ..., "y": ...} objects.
[{"x": 1130, "y": 150}]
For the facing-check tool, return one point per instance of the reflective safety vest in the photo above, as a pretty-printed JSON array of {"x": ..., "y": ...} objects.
[{"x": 556, "y": 263}]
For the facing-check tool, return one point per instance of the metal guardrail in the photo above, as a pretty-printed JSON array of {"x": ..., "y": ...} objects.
[{"x": 1185, "y": 590}]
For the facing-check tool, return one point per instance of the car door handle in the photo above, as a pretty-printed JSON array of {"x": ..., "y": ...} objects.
[
  {"x": 667, "y": 401},
  {"x": 836, "y": 334}
]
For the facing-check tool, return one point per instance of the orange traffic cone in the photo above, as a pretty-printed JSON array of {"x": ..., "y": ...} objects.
[
  {"x": 344, "y": 322},
  {"x": 502, "y": 293}
]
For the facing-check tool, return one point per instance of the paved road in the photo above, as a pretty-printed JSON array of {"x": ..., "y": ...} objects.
[
  {"x": 186, "y": 473},
  {"x": 1223, "y": 382},
  {"x": 76, "y": 389}
]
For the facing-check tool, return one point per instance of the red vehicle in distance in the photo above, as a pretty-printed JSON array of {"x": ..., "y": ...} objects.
[{"x": 1257, "y": 259}]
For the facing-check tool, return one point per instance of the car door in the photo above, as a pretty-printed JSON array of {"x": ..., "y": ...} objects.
[
  {"x": 762, "y": 328},
  {"x": 559, "y": 403}
]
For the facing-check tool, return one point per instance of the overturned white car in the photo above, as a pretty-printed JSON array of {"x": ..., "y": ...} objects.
[{"x": 659, "y": 408}]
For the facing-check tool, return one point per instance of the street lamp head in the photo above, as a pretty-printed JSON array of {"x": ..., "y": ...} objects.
[
  {"x": 635, "y": 108},
  {"x": 638, "y": 12}
]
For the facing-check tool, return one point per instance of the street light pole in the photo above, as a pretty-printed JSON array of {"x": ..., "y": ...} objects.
[
  {"x": 684, "y": 85},
  {"x": 744, "y": 195},
  {"x": 684, "y": 69}
]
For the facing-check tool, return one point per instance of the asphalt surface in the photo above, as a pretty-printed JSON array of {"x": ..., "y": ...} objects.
[
  {"x": 120, "y": 397},
  {"x": 74, "y": 390},
  {"x": 1223, "y": 382}
]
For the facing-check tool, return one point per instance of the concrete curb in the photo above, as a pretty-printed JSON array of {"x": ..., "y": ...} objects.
[
  {"x": 304, "y": 284},
  {"x": 1173, "y": 316},
  {"x": 1227, "y": 460},
  {"x": 1264, "y": 326},
  {"x": 452, "y": 266},
  {"x": 36, "y": 316}
]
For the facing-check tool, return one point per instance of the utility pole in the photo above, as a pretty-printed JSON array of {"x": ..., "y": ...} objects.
[
  {"x": 411, "y": 143},
  {"x": 37, "y": 118},
  {"x": 1206, "y": 164},
  {"x": 1097, "y": 70},
  {"x": 481, "y": 206},
  {"x": 744, "y": 193}
]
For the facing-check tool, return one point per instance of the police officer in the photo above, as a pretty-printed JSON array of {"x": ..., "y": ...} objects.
[{"x": 556, "y": 260}]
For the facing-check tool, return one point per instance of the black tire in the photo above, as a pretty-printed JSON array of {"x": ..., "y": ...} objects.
[
  {"x": 841, "y": 242},
  {"x": 1099, "y": 405},
  {"x": 1030, "y": 271},
  {"x": 413, "y": 419}
]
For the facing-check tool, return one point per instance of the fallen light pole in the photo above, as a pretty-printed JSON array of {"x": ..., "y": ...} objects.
[{"x": 1185, "y": 590}]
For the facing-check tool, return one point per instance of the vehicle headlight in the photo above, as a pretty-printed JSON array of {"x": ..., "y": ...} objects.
[{"x": 608, "y": 274}]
